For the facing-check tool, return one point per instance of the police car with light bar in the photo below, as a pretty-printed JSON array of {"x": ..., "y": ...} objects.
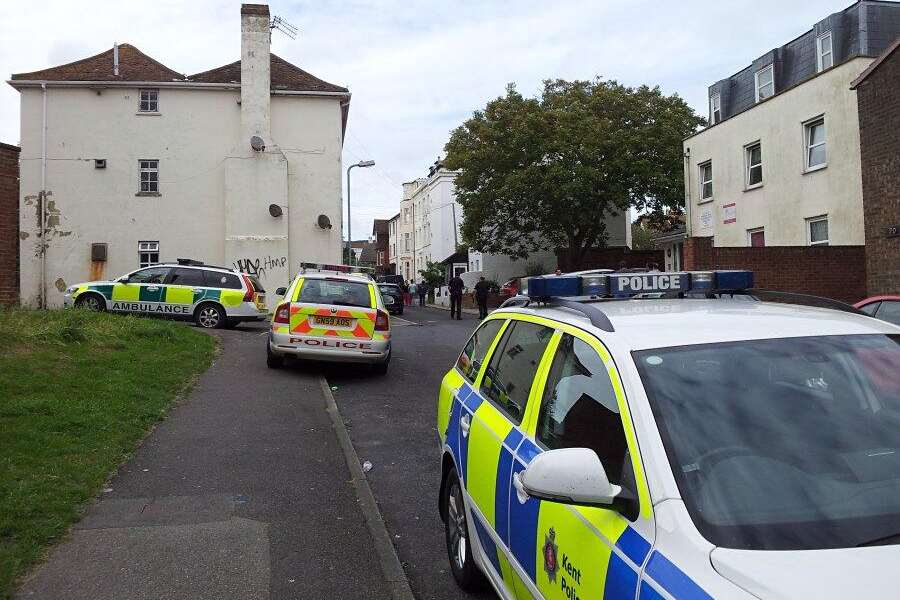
[
  {"x": 331, "y": 313},
  {"x": 667, "y": 440}
]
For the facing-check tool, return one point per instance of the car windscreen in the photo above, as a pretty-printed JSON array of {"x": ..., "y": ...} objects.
[
  {"x": 340, "y": 292},
  {"x": 783, "y": 444}
]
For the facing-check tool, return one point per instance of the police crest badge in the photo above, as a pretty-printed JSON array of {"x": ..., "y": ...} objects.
[{"x": 550, "y": 564}]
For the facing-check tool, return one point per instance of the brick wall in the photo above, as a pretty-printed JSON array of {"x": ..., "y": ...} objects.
[
  {"x": 837, "y": 272},
  {"x": 879, "y": 134},
  {"x": 609, "y": 258},
  {"x": 9, "y": 224}
]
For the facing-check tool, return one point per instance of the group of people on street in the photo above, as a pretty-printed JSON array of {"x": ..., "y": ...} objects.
[{"x": 412, "y": 290}]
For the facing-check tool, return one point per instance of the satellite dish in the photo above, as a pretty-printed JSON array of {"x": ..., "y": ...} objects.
[
  {"x": 324, "y": 222},
  {"x": 257, "y": 143},
  {"x": 275, "y": 210}
]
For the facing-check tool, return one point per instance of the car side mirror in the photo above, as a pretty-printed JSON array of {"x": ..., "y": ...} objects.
[
  {"x": 388, "y": 300},
  {"x": 123, "y": 279},
  {"x": 571, "y": 476},
  {"x": 281, "y": 291}
]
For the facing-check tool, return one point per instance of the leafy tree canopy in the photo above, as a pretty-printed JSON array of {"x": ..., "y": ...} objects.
[
  {"x": 542, "y": 173},
  {"x": 433, "y": 274}
]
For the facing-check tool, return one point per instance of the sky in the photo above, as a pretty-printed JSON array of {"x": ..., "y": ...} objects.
[{"x": 417, "y": 70}]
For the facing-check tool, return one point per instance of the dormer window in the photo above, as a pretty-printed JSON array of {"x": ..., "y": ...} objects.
[
  {"x": 149, "y": 101},
  {"x": 765, "y": 83},
  {"x": 824, "y": 52},
  {"x": 715, "y": 109}
]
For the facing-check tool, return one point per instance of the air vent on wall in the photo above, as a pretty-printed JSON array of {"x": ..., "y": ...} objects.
[
  {"x": 98, "y": 252},
  {"x": 99, "y": 163}
]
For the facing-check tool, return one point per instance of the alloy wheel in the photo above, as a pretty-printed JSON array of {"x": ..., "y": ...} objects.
[
  {"x": 209, "y": 317},
  {"x": 456, "y": 521}
]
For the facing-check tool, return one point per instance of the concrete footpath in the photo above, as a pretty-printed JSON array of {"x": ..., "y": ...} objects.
[{"x": 242, "y": 492}]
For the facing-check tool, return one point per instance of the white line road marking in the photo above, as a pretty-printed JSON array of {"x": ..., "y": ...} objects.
[{"x": 403, "y": 322}]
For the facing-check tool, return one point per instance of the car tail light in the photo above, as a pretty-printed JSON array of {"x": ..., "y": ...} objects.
[
  {"x": 248, "y": 297},
  {"x": 382, "y": 321},
  {"x": 283, "y": 314}
]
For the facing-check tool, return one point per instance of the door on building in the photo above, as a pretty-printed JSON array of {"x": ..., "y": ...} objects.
[{"x": 757, "y": 237}]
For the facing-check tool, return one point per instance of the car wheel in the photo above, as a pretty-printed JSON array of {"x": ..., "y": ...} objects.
[
  {"x": 459, "y": 548},
  {"x": 273, "y": 361},
  {"x": 91, "y": 302},
  {"x": 210, "y": 316},
  {"x": 400, "y": 312}
]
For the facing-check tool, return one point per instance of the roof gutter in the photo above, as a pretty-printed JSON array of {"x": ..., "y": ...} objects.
[{"x": 27, "y": 83}]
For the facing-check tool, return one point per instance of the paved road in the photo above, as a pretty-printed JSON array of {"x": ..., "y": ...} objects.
[
  {"x": 242, "y": 492},
  {"x": 392, "y": 424}
]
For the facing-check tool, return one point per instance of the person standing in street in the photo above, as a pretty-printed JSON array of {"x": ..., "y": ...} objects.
[
  {"x": 482, "y": 288},
  {"x": 456, "y": 291},
  {"x": 413, "y": 289},
  {"x": 423, "y": 291}
]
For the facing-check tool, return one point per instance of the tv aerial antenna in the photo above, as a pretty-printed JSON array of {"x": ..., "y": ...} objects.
[{"x": 284, "y": 27}]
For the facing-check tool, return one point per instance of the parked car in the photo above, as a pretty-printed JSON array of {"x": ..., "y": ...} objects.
[
  {"x": 395, "y": 279},
  {"x": 393, "y": 290},
  {"x": 512, "y": 287},
  {"x": 886, "y": 308}
]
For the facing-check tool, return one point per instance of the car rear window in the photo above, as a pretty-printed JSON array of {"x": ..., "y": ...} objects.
[
  {"x": 339, "y": 292},
  {"x": 256, "y": 283},
  {"x": 219, "y": 279}
]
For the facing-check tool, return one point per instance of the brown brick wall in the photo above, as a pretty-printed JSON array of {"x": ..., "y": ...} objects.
[
  {"x": 610, "y": 258},
  {"x": 837, "y": 272},
  {"x": 9, "y": 224},
  {"x": 879, "y": 135}
]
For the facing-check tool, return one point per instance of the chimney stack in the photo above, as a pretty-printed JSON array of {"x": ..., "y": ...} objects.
[{"x": 255, "y": 71}]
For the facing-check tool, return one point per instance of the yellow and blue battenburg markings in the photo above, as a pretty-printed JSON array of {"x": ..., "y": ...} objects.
[{"x": 565, "y": 552}]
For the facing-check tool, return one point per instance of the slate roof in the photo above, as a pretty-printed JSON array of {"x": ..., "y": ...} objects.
[{"x": 134, "y": 65}]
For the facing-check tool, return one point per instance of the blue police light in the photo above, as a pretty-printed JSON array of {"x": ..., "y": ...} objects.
[
  {"x": 547, "y": 286},
  {"x": 734, "y": 280},
  {"x": 626, "y": 285}
]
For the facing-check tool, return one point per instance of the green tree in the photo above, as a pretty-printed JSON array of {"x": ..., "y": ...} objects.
[
  {"x": 542, "y": 173},
  {"x": 640, "y": 238},
  {"x": 433, "y": 274}
]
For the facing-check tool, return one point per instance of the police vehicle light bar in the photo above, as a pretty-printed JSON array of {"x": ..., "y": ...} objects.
[
  {"x": 626, "y": 285},
  {"x": 306, "y": 267}
]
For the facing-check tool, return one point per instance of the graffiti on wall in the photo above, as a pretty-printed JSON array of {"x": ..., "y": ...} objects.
[{"x": 260, "y": 265}]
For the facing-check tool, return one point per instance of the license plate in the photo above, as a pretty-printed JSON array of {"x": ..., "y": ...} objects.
[{"x": 333, "y": 321}]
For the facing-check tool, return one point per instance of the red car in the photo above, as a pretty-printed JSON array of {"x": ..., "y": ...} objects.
[
  {"x": 886, "y": 308},
  {"x": 511, "y": 287}
]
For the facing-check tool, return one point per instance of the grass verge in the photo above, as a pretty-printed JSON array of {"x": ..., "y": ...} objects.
[{"x": 78, "y": 392}]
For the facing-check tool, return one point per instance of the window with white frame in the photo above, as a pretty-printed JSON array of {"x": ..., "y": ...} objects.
[
  {"x": 148, "y": 253},
  {"x": 706, "y": 186},
  {"x": 149, "y": 182},
  {"x": 765, "y": 83},
  {"x": 824, "y": 52},
  {"x": 715, "y": 109},
  {"x": 814, "y": 135},
  {"x": 753, "y": 159},
  {"x": 817, "y": 230},
  {"x": 406, "y": 242},
  {"x": 149, "y": 101}
]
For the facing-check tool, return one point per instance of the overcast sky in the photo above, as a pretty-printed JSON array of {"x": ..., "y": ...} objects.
[{"x": 418, "y": 69}]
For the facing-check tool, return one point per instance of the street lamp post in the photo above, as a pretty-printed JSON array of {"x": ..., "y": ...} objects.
[{"x": 362, "y": 163}]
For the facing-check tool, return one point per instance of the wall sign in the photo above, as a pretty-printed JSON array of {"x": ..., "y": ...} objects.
[
  {"x": 892, "y": 231},
  {"x": 729, "y": 213},
  {"x": 706, "y": 218}
]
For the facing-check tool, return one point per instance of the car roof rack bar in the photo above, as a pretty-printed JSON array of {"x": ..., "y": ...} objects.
[
  {"x": 596, "y": 316},
  {"x": 800, "y": 299}
]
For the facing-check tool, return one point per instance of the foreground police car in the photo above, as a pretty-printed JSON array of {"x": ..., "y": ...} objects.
[
  {"x": 331, "y": 313},
  {"x": 673, "y": 448},
  {"x": 210, "y": 296}
]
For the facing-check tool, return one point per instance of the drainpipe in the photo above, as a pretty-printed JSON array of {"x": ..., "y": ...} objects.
[
  {"x": 687, "y": 201},
  {"x": 43, "y": 198}
]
